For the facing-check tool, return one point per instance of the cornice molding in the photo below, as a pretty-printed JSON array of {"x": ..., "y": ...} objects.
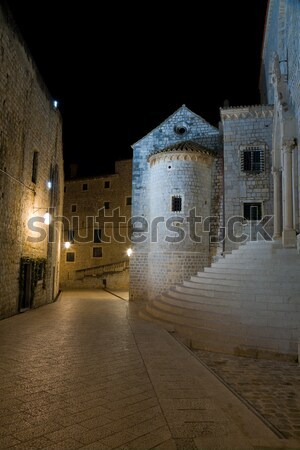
[
  {"x": 247, "y": 112},
  {"x": 180, "y": 155}
]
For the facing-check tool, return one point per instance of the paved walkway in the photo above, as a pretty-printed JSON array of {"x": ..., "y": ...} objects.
[{"x": 86, "y": 373}]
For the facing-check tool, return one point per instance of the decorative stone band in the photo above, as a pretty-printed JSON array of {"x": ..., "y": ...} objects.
[
  {"x": 246, "y": 112},
  {"x": 184, "y": 151}
]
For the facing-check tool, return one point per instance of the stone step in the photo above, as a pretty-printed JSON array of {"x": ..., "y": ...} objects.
[
  {"x": 274, "y": 258},
  {"x": 227, "y": 314},
  {"x": 208, "y": 319},
  {"x": 276, "y": 272},
  {"x": 252, "y": 307},
  {"x": 242, "y": 288},
  {"x": 191, "y": 288},
  {"x": 254, "y": 266},
  {"x": 265, "y": 338},
  {"x": 244, "y": 282},
  {"x": 263, "y": 257},
  {"x": 214, "y": 273}
]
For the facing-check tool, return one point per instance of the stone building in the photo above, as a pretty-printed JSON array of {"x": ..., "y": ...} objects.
[
  {"x": 175, "y": 172},
  {"x": 31, "y": 179},
  {"x": 97, "y": 225},
  {"x": 222, "y": 177},
  {"x": 246, "y": 300},
  {"x": 248, "y": 187}
]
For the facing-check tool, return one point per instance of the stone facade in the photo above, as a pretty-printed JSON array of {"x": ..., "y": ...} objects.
[
  {"x": 247, "y": 128},
  {"x": 176, "y": 160},
  {"x": 84, "y": 198},
  {"x": 280, "y": 80},
  {"x": 30, "y": 157}
]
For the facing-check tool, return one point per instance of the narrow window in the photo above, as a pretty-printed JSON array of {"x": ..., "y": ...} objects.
[
  {"x": 70, "y": 256},
  {"x": 106, "y": 205},
  {"x": 73, "y": 208},
  {"x": 97, "y": 252},
  {"x": 252, "y": 211},
  {"x": 106, "y": 184},
  {"x": 84, "y": 187},
  {"x": 35, "y": 167},
  {"x": 128, "y": 201},
  {"x": 97, "y": 236},
  {"x": 176, "y": 203}
]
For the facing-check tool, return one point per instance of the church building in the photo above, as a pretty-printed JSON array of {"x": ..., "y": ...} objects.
[{"x": 216, "y": 213}]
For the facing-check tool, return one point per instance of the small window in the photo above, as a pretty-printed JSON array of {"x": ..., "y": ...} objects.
[
  {"x": 181, "y": 128},
  {"x": 71, "y": 235},
  {"x": 253, "y": 159},
  {"x": 252, "y": 211},
  {"x": 176, "y": 203},
  {"x": 97, "y": 236},
  {"x": 97, "y": 252},
  {"x": 73, "y": 208},
  {"x": 70, "y": 256},
  {"x": 41, "y": 270},
  {"x": 106, "y": 205},
  {"x": 106, "y": 184},
  {"x": 35, "y": 167},
  {"x": 128, "y": 201},
  {"x": 85, "y": 187}
]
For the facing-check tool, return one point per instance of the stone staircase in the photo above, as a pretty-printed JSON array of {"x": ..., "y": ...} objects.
[{"x": 247, "y": 303}]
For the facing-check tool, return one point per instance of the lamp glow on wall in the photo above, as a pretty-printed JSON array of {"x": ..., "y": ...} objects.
[
  {"x": 47, "y": 216},
  {"x": 67, "y": 245},
  {"x": 129, "y": 252}
]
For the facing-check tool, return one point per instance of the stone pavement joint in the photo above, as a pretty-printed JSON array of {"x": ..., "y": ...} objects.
[{"x": 86, "y": 373}]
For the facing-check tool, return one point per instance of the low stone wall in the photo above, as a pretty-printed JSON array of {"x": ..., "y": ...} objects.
[{"x": 116, "y": 280}]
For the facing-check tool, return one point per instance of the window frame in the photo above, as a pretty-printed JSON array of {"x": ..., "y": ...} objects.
[
  {"x": 253, "y": 149},
  {"x": 68, "y": 253},
  {"x": 35, "y": 167},
  {"x": 174, "y": 199},
  {"x": 253, "y": 202},
  {"x": 74, "y": 210},
  {"x": 97, "y": 248}
]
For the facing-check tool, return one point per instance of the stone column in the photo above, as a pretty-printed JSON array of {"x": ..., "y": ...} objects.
[
  {"x": 277, "y": 203},
  {"x": 289, "y": 234}
]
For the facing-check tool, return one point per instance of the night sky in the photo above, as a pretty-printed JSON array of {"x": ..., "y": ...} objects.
[{"x": 114, "y": 86}]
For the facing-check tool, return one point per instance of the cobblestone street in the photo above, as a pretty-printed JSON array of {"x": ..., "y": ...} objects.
[
  {"x": 86, "y": 373},
  {"x": 271, "y": 387}
]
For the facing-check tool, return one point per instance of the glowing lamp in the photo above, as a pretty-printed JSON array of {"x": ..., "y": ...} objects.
[{"x": 47, "y": 218}]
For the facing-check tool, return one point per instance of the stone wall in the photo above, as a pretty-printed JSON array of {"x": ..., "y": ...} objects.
[
  {"x": 282, "y": 39},
  {"x": 246, "y": 126},
  {"x": 83, "y": 200},
  {"x": 29, "y": 124}
]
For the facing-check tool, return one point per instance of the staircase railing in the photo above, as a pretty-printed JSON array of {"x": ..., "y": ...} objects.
[{"x": 98, "y": 271}]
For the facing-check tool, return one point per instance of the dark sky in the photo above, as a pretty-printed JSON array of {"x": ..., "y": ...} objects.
[{"x": 115, "y": 86}]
